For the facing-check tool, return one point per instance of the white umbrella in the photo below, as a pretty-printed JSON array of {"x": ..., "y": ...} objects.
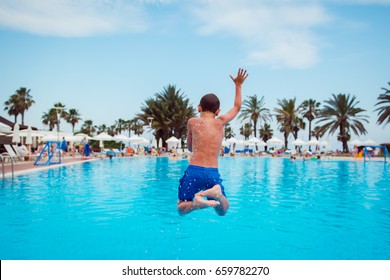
[
  {"x": 261, "y": 143},
  {"x": 49, "y": 137},
  {"x": 313, "y": 142},
  {"x": 144, "y": 141},
  {"x": 299, "y": 142},
  {"x": 82, "y": 135},
  {"x": 16, "y": 137},
  {"x": 103, "y": 136},
  {"x": 356, "y": 142},
  {"x": 232, "y": 140},
  {"x": 135, "y": 139},
  {"x": 73, "y": 138},
  {"x": 154, "y": 142},
  {"x": 160, "y": 143},
  {"x": 121, "y": 138},
  {"x": 28, "y": 136},
  {"x": 173, "y": 140},
  {"x": 274, "y": 141},
  {"x": 33, "y": 133},
  {"x": 370, "y": 142},
  {"x": 253, "y": 141},
  {"x": 224, "y": 143}
]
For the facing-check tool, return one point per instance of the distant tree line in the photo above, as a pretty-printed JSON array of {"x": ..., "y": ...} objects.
[{"x": 168, "y": 111}]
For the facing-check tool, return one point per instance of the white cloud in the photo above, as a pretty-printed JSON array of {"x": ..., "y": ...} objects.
[
  {"x": 70, "y": 17},
  {"x": 276, "y": 33}
]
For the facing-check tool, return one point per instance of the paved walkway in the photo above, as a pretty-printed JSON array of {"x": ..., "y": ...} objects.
[{"x": 23, "y": 167}]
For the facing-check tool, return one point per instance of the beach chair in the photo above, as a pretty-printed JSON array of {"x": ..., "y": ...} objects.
[
  {"x": 12, "y": 152},
  {"x": 33, "y": 157}
]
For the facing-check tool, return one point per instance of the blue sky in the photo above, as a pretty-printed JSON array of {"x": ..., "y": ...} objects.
[{"x": 105, "y": 57}]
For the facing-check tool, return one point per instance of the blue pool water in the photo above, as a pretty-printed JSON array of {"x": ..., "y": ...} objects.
[{"x": 126, "y": 209}]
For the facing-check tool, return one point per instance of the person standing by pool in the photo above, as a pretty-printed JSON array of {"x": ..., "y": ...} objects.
[
  {"x": 202, "y": 180},
  {"x": 64, "y": 147}
]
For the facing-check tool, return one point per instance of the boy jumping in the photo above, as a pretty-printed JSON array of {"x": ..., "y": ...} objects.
[{"x": 201, "y": 185}]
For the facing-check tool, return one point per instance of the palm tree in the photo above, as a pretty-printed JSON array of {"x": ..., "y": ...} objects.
[
  {"x": 137, "y": 126},
  {"x": 170, "y": 111},
  {"x": 127, "y": 126},
  {"x": 266, "y": 133},
  {"x": 310, "y": 111},
  {"x": 340, "y": 113},
  {"x": 112, "y": 130},
  {"x": 100, "y": 128},
  {"x": 19, "y": 103},
  {"x": 317, "y": 132},
  {"x": 384, "y": 110},
  {"x": 11, "y": 107},
  {"x": 246, "y": 130},
  {"x": 287, "y": 117},
  {"x": 73, "y": 118},
  {"x": 120, "y": 124},
  {"x": 228, "y": 131},
  {"x": 254, "y": 110},
  {"x": 50, "y": 118},
  {"x": 88, "y": 127}
]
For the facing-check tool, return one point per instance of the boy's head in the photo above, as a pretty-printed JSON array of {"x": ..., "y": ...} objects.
[{"x": 209, "y": 103}]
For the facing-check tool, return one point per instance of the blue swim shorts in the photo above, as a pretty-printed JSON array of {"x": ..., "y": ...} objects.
[{"x": 196, "y": 179}]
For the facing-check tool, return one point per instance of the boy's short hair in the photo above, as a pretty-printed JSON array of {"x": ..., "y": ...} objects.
[{"x": 209, "y": 102}]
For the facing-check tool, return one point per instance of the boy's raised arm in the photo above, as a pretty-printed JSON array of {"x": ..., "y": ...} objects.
[{"x": 238, "y": 81}]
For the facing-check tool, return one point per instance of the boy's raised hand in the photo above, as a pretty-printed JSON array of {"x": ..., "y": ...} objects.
[{"x": 241, "y": 76}]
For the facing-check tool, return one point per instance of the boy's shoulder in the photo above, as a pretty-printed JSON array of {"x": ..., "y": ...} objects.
[{"x": 194, "y": 119}]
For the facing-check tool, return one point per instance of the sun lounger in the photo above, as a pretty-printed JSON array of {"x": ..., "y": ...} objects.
[
  {"x": 12, "y": 153},
  {"x": 30, "y": 156}
]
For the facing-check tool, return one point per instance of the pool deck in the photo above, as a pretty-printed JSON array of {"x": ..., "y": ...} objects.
[{"x": 24, "y": 167}]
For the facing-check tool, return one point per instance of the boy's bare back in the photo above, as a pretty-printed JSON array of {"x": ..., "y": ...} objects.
[{"x": 205, "y": 133}]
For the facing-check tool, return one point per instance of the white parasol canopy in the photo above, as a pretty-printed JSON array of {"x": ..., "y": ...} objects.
[
  {"x": 232, "y": 140},
  {"x": 173, "y": 140},
  {"x": 370, "y": 142},
  {"x": 135, "y": 139},
  {"x": 121, "y": 138},
  {"x": 29, "y": 136},
  {"x": 16, "y": 136},
  {"x": 49, "y": 137},
  {"x": 103, "y": 136},
  {"x": 299, "y": 142},
  {"x": 82, "y": 135},
  {"x": 313, "y": 142},
  {"x": 274, "y": 141},
  {"x": 154, "y": 142},
  {"x": 356, "y": 142}
]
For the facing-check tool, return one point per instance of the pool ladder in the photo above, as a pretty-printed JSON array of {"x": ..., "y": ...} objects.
[{"x": 3, "y": 156}]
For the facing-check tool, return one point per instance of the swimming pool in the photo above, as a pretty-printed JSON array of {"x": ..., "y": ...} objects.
[{"x": 126, "y": 209}]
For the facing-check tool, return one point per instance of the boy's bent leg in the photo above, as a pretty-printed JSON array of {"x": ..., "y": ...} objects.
[
  {"x": 216, "y": 193},
  {"x": 185, "y": 207}
]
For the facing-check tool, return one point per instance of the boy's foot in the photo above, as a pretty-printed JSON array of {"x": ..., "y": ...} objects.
[
  {"x": 215, "y": 192},
  {"x": 201, "y": 202}
]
